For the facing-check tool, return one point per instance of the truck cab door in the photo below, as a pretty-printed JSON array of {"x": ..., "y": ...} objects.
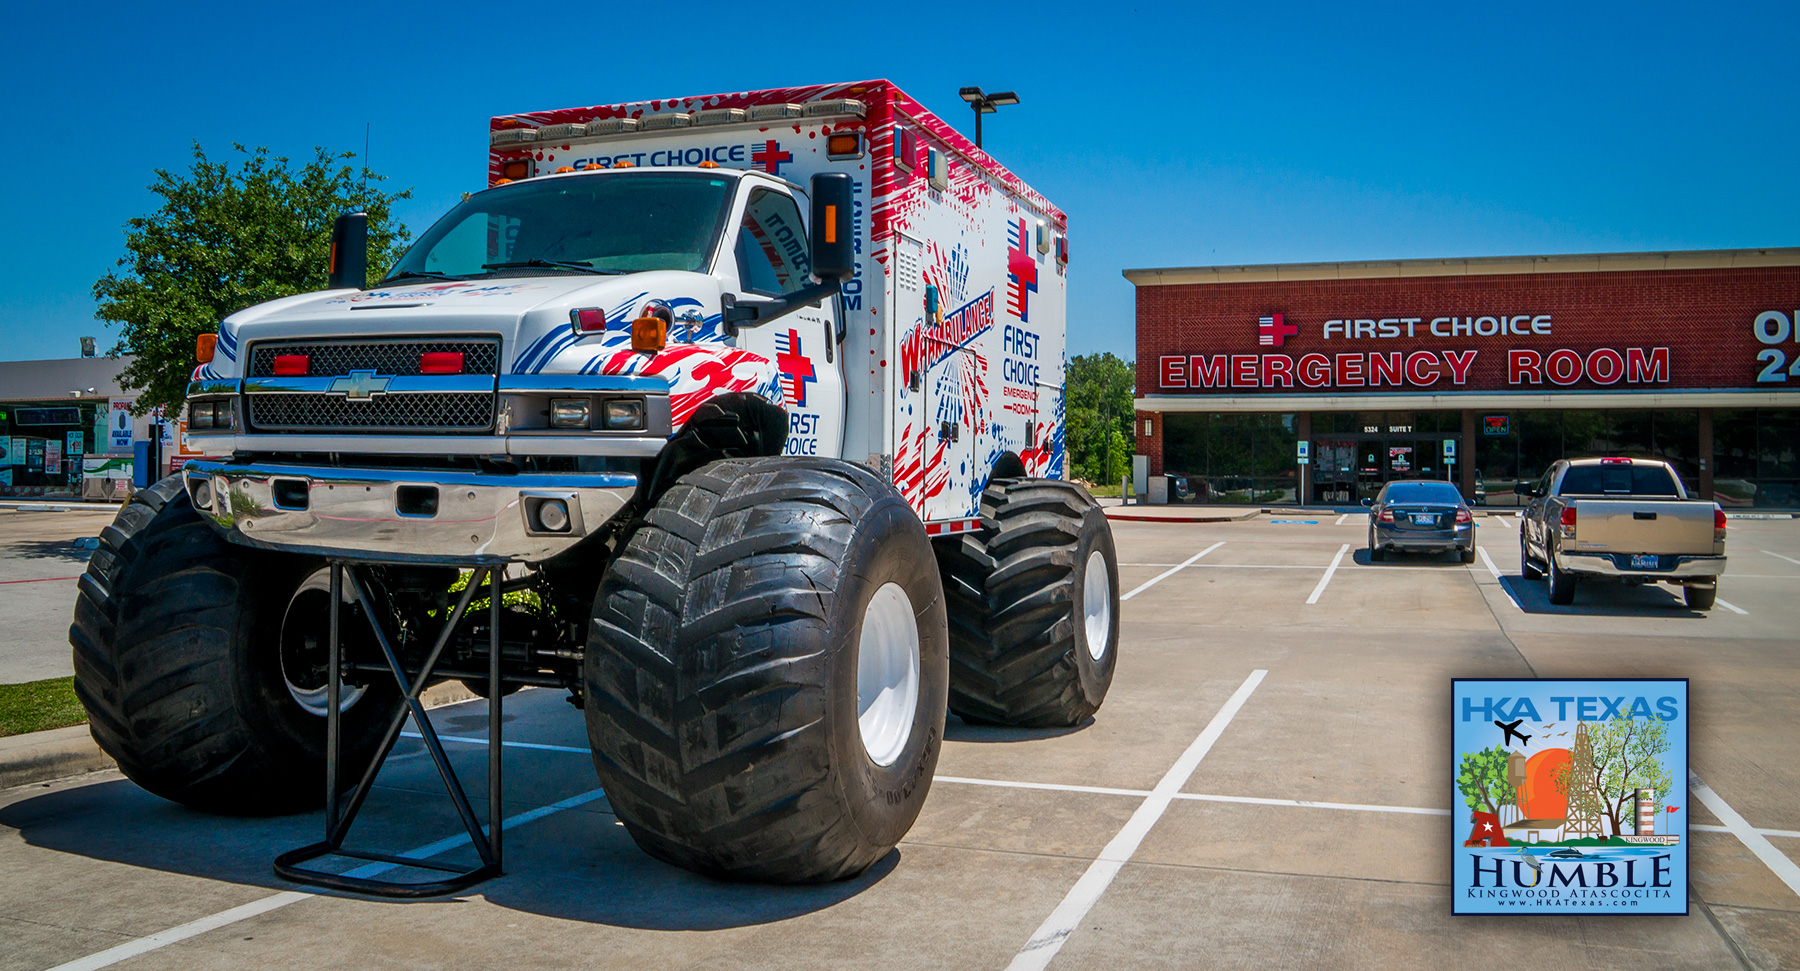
[
  {"x": 769, "y": 256},
  {"x": 1046, "y": 413}
]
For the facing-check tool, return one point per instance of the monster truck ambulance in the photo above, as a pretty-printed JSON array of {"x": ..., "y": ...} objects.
[{"x": 759, "y": 394}]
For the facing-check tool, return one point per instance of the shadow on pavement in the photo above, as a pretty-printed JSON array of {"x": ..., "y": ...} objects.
[
  {"x": 1602, "y": 599},
  {"x": 49, "y": 549},
  {"x": 1445, "y": 560},
  {"x": 578, "y": 864},
  {"x": 957, "y": 730}
]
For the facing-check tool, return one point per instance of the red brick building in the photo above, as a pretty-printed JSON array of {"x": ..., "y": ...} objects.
[{"x": 1317, "y": 382}]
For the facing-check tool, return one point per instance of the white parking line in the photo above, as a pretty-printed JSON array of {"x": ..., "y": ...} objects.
[
  {"x": 1340, "y": 522},
  {"x": 1147, "y": 584},
  {"x": 1339, "y": 558},
  {"x": 1782, "y": 557},
  {"x": 1728, "y": 605},
  {"x": 1753, "y": 841},
  {"x": 1485, "y": 558},
  {"x": 143, "y": 945},
  {"x": 1043, "y": 945}
]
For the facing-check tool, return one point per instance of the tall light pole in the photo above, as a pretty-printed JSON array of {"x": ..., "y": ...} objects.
[{"x": 986, "y": 104}]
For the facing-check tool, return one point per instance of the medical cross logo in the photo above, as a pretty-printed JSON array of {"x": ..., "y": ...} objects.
[
  {"x": 1272, "y": 332},
  {"x": 796, "y": 370},
  {"x": 1021, "y": 272},
  {"x": 771, "y": 157}
]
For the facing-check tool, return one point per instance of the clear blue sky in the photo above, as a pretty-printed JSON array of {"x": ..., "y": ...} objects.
[{"x": 1172, "y": 136}]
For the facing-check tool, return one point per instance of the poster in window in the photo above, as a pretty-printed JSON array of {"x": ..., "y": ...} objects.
[
  {"x": 76, "y": 444},
  {"x": 53, "y": 457},
  {"x": 1573, "y": 796}
]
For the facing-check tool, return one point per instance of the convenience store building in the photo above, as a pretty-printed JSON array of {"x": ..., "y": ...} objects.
[{"x": 1316, "y": 383}]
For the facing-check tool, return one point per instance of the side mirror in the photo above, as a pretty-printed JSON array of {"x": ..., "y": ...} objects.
[
  {"x": 1368, "y": 502},
  {"x": 349, "y": 263},
  {"x": 833, "y": 229},
  {"x": 1523, "y": 489}
]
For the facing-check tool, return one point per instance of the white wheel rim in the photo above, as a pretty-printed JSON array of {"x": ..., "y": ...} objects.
[
  {"x": 316, "y": 700},
  {"x": 887, "y": 674},
  {"x": 1096, "y": 605}
]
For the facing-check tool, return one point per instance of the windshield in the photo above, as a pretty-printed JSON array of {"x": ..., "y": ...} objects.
[
  {"x": 1423, "y": 492},
  {"x": 614, "y": 223}
]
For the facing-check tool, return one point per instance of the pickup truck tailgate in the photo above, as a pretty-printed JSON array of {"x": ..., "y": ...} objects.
[{"x": 1643, "y": 526}]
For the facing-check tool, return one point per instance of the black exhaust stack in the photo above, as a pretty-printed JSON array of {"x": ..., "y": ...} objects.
[{"x": 349, "y": 264}]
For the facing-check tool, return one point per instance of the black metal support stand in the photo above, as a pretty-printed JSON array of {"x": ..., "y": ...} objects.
[{"x": 338, "y": 819}]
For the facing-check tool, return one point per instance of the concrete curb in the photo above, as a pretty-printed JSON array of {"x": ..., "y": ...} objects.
[
  {"x": 1129, "y": 518},
  {"x": 55, "y": 754},
  {"x": 59, "y": 753}
]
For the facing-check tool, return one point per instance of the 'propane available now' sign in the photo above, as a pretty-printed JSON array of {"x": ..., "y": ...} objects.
[{"x": 1574, "y": 795}]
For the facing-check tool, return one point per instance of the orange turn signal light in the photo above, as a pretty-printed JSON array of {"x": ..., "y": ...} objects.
[
  {"x": 709, "y": 164},
  {"x": 649, "y": 334},
  {"x": 204, "y": 345},
  {"x": 560, "y": 169},
  {"x": 623, "y": 165},
  {"x": 845, "y": 145}
]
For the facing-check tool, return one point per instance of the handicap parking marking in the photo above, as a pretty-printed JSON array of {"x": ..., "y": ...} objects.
[
  {"x": 1339, "y": 558},
  {"x": 1041, "y": 948},
  {"x": 223, "y": 918},
  {"x": 1293, "y": 522},
  {"x": 472, "y": 740}
]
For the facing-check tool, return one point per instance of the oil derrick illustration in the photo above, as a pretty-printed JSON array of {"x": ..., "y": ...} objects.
[{"x": 1584, "y": 804}]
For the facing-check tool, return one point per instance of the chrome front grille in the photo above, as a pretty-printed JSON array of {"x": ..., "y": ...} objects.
[
  {"x": 399, "y": 357},
  {"x": 431, "y": 412}
]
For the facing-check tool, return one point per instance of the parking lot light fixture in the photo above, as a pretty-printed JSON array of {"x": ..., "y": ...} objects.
[{"x": 986, "y": 104}]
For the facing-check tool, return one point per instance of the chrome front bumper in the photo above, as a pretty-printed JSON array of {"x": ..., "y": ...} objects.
[
  {"x": 357, "y": 513},
  {"x": 1603, "y": 565}
]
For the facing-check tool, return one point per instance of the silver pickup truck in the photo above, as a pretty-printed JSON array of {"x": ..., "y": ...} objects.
[{"x": 1621, "y": 519}]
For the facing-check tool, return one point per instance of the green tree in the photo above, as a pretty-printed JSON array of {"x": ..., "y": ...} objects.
[
  {"x": 1628, "y": 753},
  {"x": 226, "y": 238},
  {"x": 1482, "y": 780},
  {"x": 1098, "y": 394}
]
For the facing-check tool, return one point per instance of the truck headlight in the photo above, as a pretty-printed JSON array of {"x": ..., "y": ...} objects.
[
  {"x": 200, "y": 414},
  {"x": 624, "y": 413},
  {"x": 569, "y": 413}
]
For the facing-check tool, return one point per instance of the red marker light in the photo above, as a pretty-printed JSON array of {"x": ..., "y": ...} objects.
[
  {"x": 292, "y": 365},
  {"x": 1615, "y": 461},
  {"x": 441, "y": 362},
  {"x": 591, "y": 320}
]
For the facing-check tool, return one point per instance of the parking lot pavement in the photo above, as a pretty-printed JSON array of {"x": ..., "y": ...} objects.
[
  {"x": 40, "y": 557},
  {"x": 1265, "y": 786}
]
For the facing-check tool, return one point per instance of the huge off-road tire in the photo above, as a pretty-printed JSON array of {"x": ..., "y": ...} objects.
[
  {"x": 1034, "y": 607},
  {"x": 766, "y": 671},
  {"x": 178, "y": 661}
]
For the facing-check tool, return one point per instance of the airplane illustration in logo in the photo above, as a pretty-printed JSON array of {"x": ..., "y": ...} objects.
[{"x": 1510, "y": 734}]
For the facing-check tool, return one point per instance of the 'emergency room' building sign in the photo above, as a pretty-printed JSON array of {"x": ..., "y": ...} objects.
[{"x": 1454, "y": 352}]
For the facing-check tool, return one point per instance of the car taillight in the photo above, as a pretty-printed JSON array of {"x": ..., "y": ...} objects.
[
  {"x": 1387, "y": 516},
  {"x": 1615, "y": 461},
  {"x": 441, "y": 362},
  {"x": 1568, "y": 517},
  {"x": 1718, "y": 519},
  {"x": 292, "y": 365},
  {"x": 1462, "y": 516}
]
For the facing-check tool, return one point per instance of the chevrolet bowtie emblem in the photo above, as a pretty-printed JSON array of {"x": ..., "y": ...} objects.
[{"x": 359, "y": 385}]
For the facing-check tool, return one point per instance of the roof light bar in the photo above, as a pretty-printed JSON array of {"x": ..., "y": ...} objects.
[
  {"x": 776, "y": 112},
  {"x": 676, "y": 120},
  {"x": 513, "y": 136},
  {"x": 841, "y": 106},
  {"x": 612, "y": 126},
  {"x": 550, "y": 133},
  {"x": 719, "y": 116}
]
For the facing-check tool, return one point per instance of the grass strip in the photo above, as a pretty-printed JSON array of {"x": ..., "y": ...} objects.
[{"x": 37, "y": 706}]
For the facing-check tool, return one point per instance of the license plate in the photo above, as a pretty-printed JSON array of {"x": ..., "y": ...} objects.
[
  {"x": 1645, "y": 561},
  {"x": 1424, "y": 520}
]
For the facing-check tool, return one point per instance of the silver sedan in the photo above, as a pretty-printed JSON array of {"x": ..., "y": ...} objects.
[{"x": 1423, "y": 517}]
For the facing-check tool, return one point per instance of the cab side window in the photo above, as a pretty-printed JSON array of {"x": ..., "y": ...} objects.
[{"x": 772, "y": 255}]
